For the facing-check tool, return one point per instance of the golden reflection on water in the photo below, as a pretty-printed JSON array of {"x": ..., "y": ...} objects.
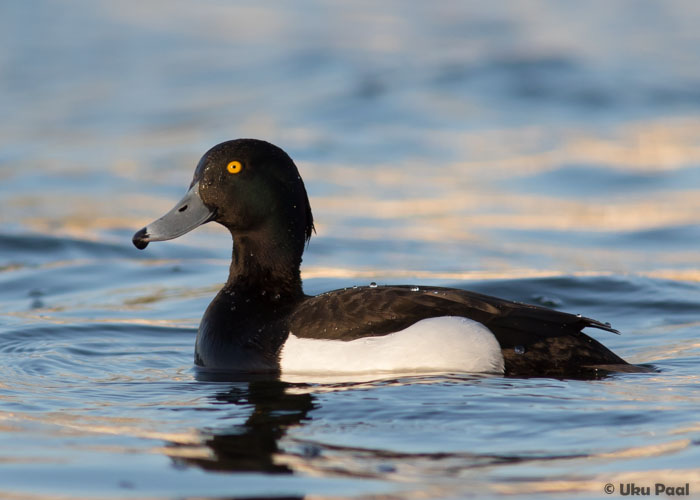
[
  {"x": 67, "y": 424},
  {"x": 653, "y": 450},
  {"x": 439, "y": 218},
  {"x": 484, "y": 156},
  {"x": 657, "y": 144},
  {"x": 455, "y": 469},
  {"x": 447, "y": 201}
]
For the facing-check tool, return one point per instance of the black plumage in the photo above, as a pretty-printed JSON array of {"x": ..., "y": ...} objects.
[{"x": 265, "y": 207}]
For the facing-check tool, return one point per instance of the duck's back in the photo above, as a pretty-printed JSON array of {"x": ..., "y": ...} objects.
[{"x": 533, "y": 340}]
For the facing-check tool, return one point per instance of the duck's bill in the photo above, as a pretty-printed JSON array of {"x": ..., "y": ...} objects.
[{"x": 189, "y": 213}]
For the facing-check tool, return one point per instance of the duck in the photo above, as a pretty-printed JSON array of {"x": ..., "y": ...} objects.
[{"x": 261, "y": 321}]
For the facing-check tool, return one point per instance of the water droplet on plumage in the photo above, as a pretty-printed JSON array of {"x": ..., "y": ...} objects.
[
  {"x": 373, "y": 285},
  {"x": 415, "y": 289},
  {"x": 607, "y": 323},
  {"x": 548, "y": 301},
  {"x": 519, "y": 349},
  {"x": 263, "y": 292},
  {"x": 579, "y": 316}
]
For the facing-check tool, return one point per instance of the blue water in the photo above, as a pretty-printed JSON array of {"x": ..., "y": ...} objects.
[{"x": 545, "y": 152}]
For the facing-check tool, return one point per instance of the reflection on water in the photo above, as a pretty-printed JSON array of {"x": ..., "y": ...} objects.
[
  {"x": 545, "y": 152},
  {"x": 253, "y": 446}
]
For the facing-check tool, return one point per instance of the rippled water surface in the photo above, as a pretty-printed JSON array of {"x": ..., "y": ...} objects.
[{"x": 540, "y": 151}]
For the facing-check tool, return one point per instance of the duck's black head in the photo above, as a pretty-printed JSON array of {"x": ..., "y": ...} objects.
[{"x": 254, "y": 189}]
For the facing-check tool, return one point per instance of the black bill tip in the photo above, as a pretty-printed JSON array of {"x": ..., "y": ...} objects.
[{"x": 140, "y": 239}]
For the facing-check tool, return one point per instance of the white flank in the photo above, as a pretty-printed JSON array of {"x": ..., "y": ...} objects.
[{"x": 440, "y": 344}]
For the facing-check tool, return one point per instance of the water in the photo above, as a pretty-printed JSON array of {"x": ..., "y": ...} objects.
[{"x": 541, "y": 151}]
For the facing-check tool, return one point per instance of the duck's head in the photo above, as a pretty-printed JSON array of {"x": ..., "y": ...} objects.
[{"x": 251, "y": 187}]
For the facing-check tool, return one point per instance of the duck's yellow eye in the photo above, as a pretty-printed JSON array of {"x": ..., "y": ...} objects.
[{"x": 234, "y": 167}]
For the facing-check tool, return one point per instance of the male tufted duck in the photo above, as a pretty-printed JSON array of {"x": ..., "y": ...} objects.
[{"x": 261, "y": 320}]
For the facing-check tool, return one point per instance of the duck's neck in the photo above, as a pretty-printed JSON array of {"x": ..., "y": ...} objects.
[{"x": 265, "y": 265}]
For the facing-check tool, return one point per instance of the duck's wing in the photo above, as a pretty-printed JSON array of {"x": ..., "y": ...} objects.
[{"x": 534, "y": 340}]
